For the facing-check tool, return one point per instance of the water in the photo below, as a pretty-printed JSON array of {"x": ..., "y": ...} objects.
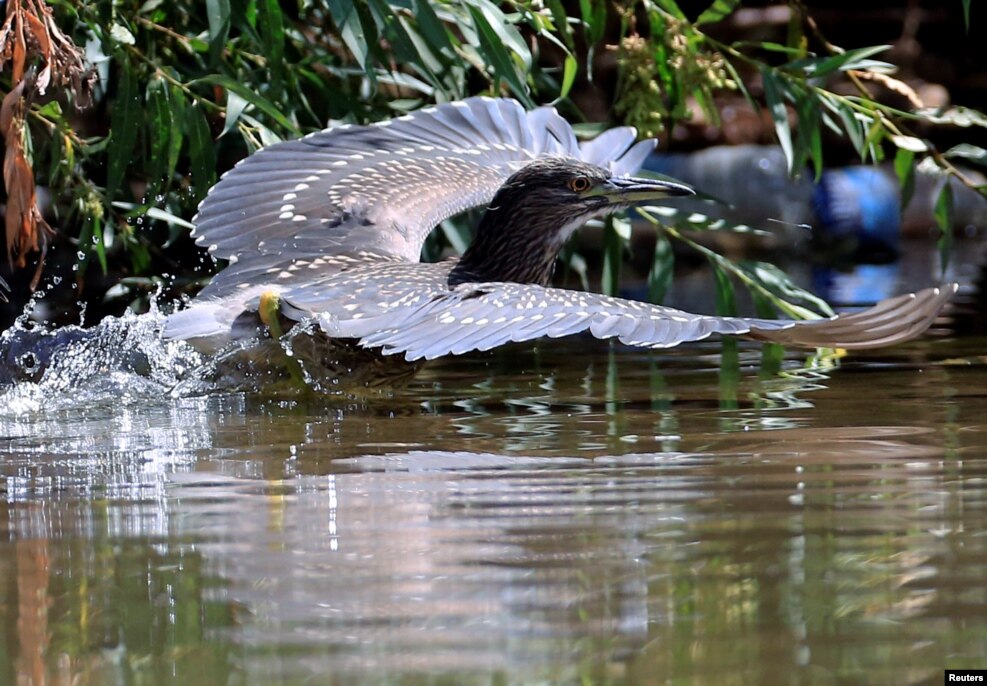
[
  {"x": 571, "y": 512},
  {"x": 574, "y": 513}
]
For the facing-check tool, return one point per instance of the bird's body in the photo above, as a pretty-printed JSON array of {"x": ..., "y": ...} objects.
[{"x": 332, "y": 227}]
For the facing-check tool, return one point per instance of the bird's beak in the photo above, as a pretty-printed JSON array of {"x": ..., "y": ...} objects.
[{"x": 623, "y": 190}]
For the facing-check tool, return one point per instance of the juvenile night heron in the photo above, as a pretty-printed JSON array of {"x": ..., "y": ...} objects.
[{"x": 329, "y": 229}]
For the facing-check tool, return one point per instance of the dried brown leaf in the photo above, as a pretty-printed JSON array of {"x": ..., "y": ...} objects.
[
  {"x": 894, "y": 85},
  {"x": 26, "y": 229},
  {"x": 20, "y": 45},
  {"x": 40, "y": 35},
  {"x": 29, "y": 35}
]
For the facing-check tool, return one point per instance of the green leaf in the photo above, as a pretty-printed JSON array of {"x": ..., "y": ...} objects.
[
  {"x": 875, "y": 135},
  {"x": 352, "y": 31},
  {"x": 574, "y": 262},
  {"x": 717, "y": 11},
  {"x": 176, "y": 101},
  {"x": 568, "y": 76},
  {"x": 966, "y": 14},
  {"x": 272, "y": 38},
  {"x": 234, "y": 108},
  {"x": 772, "y": 354},
  {"x": 51, "y": 110},
  {"x": 622, "y": 226},
  {"x": 399, "y": 41},
  {"x": 136, "y": 210},
  {"x": 780, "y": 289},
  {"x": 956, "y": 116},
  {"x": 776, "y": 105},
  {"x": 818, "y": 67},
  {"x": 202, "y": 151},
  {"x": 457, "y": 233},
  {"x": 411, "y": 48},
  {"x": 594, "y": 15},
  {"x": 690, "y": 220},
  {"x": 504, "y": 30},
  {"x": 795, "y": 33},
  {"x": 768, "y": 46},
  {"x": 493, "y": 47},
  {"x": 432, "y": 28},
  {"x": 764, "y": 278},
  {"x": 158, "y": 131},
  {"x": 943, "y": 212},
  {"x": 613, "y": 254},
  {"x": 251, "y": 96},
  {"x": 123, "y": 128},
  {"x": 218, "y": 14},
  {"x": 853, "y": 127},
  {"x": 662, "y": 269},
  {"x": 267, "y": 137},
  {"x": 739, "y": 82},
  {"x": 904, "y": 168},
  {"x": 91, "y": 240},
  {"x": 99, "y": 243},
  {"x": 671, "y": 7},
  {"x": 971, "y": 153},
  {"x": 561, "y": 20},
  {"x": 726, "y": 301},
  {"x": 763, "y": 307},
  {"x": 809, "y": 141}
]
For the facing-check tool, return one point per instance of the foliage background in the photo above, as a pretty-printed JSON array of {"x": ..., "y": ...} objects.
[{"x": 181, "y": 90}]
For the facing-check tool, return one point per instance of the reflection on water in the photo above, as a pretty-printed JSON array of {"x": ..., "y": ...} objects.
[{"x": 571, "y": 513}]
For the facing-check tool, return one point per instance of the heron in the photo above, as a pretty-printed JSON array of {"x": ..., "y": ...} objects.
[{"x": 328, "y": 230}]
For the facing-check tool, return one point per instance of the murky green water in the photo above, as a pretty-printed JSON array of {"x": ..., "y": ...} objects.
[{"x": 571, "y": 513}]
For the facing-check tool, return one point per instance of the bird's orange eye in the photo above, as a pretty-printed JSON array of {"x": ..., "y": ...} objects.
[{"x": 579, "y": 184}]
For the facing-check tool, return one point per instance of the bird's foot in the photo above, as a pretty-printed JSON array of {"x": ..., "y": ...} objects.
[{"x": 269, "y": 310}]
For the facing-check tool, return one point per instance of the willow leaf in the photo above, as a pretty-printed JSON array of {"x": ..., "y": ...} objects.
[
  {"x": 123, "y": 129},
  {"x": 717, "y": 11},
  {"x": 779, "y": 113},
  {"x": 202, "y": 151},
  {"x": 662, "y": 269},
  {"x": 943, "y": 212},
  {"x": 904, "y": 168}
]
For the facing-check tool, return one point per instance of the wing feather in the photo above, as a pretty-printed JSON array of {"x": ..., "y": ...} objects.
[
  {"x": 379, "y": 188},
  {"x": 482, "y": 316},
  {"x": 608, "y": 145},
  {"x": 891, "y": 321}
]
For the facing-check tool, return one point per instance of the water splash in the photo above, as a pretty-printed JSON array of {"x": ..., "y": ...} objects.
[
  {"x": 122, "y": 359},
  {"x": 126, "y": 359}
]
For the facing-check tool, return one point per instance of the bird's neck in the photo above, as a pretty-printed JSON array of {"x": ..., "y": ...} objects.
[{"x": 520, "y": 248}]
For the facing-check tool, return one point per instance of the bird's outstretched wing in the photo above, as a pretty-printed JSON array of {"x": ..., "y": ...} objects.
[
  {"x": 483, "y": 316},
  {"x": 378, "y": 190}
]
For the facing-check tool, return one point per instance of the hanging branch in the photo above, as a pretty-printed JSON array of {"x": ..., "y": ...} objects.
[{"x": 29, "y": 36}]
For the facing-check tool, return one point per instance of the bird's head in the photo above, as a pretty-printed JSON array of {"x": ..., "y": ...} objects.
[
  {"x": 537, "y": 209},
  {"x": 566, "y": 190}
]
